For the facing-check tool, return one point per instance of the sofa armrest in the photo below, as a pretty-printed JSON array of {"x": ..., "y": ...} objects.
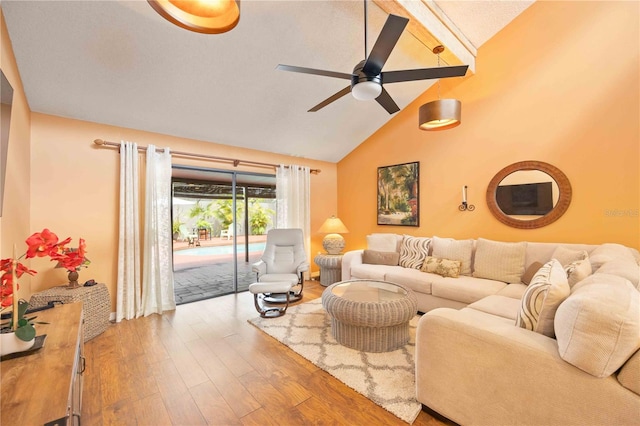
[
  {"x": 475, "y": 368},
  {"x": 350, "y": 258}
]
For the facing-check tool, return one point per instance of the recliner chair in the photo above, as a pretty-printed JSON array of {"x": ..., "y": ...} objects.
[{"x": 284, "y": 260}]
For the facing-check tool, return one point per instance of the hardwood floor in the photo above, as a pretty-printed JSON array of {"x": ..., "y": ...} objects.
[{"x": 205, "y": 364}]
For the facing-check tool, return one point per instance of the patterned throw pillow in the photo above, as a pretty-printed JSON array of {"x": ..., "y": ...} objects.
[
  {"x": 443, "y": 267},
  {"x": 548, "y": 289},
  {"x": 413, "y": 251}
]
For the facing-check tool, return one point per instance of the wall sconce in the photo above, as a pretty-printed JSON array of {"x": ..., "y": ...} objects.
[
  {"x": 201, "y": 16},
  {"x": 333, "y": 242},
  {"x": 465, "y": 206},
  {"x": 441, "y": 114}
]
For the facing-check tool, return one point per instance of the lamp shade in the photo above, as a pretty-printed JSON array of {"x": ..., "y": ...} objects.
[
  {"x": 440, "y": 115},
  {"x": 333, "y": 225},
  {"x": 201, "y": 16},
  {"x": 333, "y": 242}
]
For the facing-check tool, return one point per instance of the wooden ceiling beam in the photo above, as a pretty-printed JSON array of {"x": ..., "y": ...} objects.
[{"x": 432, "y": 27}]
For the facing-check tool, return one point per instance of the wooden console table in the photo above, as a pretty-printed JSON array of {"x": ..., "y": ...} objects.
[{"x": 45, "y": 387}]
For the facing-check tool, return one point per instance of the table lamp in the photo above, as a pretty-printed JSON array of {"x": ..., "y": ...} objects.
[{"x": 333, "y": 242}]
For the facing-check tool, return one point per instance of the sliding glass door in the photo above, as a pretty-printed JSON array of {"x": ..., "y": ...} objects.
[{"x": 220, "y": 221}]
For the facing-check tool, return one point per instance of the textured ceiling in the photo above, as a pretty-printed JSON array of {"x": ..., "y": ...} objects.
[{"x": 120, "y": 63}]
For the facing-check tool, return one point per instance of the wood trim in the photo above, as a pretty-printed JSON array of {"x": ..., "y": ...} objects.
[
  {"x": 431, "y": 29},
  {"x": 564, "y": 187}
]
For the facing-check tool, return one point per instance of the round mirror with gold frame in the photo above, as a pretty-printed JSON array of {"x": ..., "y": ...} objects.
[{"x": 529, "y": 194}]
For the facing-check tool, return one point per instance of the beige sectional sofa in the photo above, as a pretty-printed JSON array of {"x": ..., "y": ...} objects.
[{"x": 480, "y": 360}]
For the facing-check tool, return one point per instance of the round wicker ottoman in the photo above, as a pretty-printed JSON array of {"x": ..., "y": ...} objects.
[{"x": 369, "y": 315}]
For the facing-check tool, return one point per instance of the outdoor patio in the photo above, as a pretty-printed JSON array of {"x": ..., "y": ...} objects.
[{"x": 199, "y": 277}]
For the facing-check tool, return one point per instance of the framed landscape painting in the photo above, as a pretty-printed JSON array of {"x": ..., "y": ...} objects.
[{"x": 398, "y": 194}]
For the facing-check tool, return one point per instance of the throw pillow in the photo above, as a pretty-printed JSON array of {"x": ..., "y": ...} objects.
[
  {"x": 499, "y": 261},
  {"x": 548, "y": 289},
  {"x": 443, "y": 267},
  {"x": 530, "y": 272},
  {"x": 597, "y": 326},
  {"x": 382, "y": 242},
  {"x": 566, "y": 255},
  {"x": 413, "y": 251},
  {"x": 373, "y": 257},
  {"x": 578, "y": 271},
  {"x": 461, "y": 250},
  {"x": 609, "y": 251},
  {"x": 622, "y": 268}
]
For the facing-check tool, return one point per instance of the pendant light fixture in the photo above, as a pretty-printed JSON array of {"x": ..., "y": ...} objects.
[
  {"x": 201, "y": 16},
  {"x": 441, "y": 114}
]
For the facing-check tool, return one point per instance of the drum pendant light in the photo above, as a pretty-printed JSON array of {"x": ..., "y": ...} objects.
[
  {"x": 201, "y": 16},
  {"x": 441, "y": 114}
]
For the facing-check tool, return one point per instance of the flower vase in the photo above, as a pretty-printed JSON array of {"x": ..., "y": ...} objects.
[
  {"x": 73, "y": 279},
  {"x": 9, "y": 343}
]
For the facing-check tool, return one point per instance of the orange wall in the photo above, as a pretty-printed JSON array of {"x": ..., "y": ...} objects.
[
  {"x": 75, "y": 186},
  {"x": 14, "y": 223},
  {"x": 560, "y": 84}
]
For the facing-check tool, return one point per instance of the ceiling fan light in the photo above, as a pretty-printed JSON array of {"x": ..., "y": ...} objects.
[
  {"x": 366, "y": 90},
  {"x": 201, "y": 16},
  {"x": 440, "y": 115}
]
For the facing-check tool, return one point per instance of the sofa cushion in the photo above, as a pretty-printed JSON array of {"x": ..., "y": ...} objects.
[
  {"x": 370, "y": 272},
  {"x": 623, "y": 268},
  {"x": 578, "y": 271},
  {"x": 442, "y": 267},
  {"x": 513, "y": 290},
  {"x": 495, "y": 260},
  {"x": 548, "y": 289},
  {"x": 629, "y": 375},
  {"x": 373, "y": 257},
  {"x": 412, "y": 278},
  {"x": 609, "y": 251},
  {"x": 502, "y": 306},
  {"x": 464, "y": 289},
  {"x": 597, "y": 327},
  {"x": 448, "y": 248},
  {"x": 382, "y": 242},
  {"x": 530, "y": 272},
  {"x": 413, "y": 251},
  {"x": 566, "y": 255}
]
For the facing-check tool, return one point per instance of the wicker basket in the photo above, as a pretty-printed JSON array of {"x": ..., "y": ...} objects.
[{"x": 95, "y": 300}]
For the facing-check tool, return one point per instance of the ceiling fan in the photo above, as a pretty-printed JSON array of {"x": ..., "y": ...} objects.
[{"x": 367, "y": 78}]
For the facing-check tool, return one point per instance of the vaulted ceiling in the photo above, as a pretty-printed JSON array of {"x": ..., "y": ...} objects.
[{"x": 120, "y": 63}]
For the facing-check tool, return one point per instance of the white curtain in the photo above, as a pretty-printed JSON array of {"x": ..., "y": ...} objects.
[
  {"x": 128, "y": 285},
  {"x": 157, "y": 277},
  {"x": 293, "y": 205}
]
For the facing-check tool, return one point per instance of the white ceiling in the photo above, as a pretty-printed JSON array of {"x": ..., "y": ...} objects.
[{"x": 120, "y": 63}]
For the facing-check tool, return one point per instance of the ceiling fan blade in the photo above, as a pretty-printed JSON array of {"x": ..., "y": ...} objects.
[
  {"x": 387, "y": 103},
  {"x": 331, "y": 99},
  {"x": 423, "y": 74},
  {"x": 314, "y": 71},
  {"x": 384, "y": 44}
]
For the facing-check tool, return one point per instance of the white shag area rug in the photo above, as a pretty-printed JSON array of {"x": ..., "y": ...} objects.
[{"x": 385, "y": 378}]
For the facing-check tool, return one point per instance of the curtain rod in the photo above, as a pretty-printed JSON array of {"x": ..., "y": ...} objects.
[{"x": 233, "y": 161}]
